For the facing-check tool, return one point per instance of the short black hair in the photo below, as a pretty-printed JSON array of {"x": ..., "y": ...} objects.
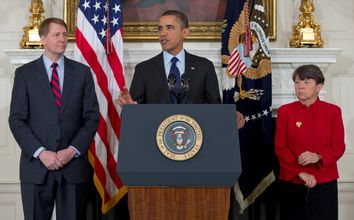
[
  {"x": 179, "y": 15},
  {"x": 309, "y": 71},
  {"x": 43, "y": 29}
]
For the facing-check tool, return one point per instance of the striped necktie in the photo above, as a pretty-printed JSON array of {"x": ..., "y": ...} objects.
[
  {"x": 54, "y": 82},
  {"x": 175, "y": 71}
]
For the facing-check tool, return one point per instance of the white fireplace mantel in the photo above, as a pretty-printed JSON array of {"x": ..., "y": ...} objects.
[
  {"x": 284, "y": 61},
  {"x": 304, "y": 55}
]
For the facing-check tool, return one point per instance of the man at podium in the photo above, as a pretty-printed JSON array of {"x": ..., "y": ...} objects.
[{"x": 174, "y": 76}]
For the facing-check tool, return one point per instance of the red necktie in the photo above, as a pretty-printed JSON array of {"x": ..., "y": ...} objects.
[{"x": 56, "y": 85}]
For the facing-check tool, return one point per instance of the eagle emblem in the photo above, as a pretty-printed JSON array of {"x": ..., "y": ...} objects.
[
  {"x": 249, "y": 52},
  {"x": 180, "y": 137}
]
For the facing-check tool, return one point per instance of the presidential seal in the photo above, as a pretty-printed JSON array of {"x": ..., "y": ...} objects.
[{"x": 179, "y": 137}]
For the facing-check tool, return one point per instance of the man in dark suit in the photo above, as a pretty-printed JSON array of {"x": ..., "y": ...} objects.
[
  {"x": 149, "y": 84},
  {"x": 156, "y": 81},
  {"x": 53, "y": 116}
]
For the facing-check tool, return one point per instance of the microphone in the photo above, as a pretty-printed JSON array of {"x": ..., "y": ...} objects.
[
  {"x": 184, "y": 88},
  {"x": 185, "y": 84},
  {"x": 171, "y": 81}
]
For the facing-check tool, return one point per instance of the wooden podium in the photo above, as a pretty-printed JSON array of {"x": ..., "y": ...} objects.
[
  {"x": 170, "y": 203},
  {"x": 160, "y": 188}
]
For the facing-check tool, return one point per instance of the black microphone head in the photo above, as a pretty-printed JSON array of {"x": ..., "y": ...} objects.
[
  {"x": 185, "y": 82},
  {"x": 171, "y": 80}
]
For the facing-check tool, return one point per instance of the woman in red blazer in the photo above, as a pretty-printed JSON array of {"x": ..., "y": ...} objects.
[{"x": 309, "y": 140}]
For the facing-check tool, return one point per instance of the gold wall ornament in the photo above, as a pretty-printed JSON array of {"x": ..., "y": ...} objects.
[
  {"x": 306, "y": 33},
  {"x": 31, "y": 37}
]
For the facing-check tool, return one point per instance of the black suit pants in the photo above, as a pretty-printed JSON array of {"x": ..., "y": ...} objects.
[{"x": 39, "y": 199}]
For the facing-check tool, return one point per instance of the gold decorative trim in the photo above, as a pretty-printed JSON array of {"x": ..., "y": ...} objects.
[
  {"x": 148, "y": 31},
  {"x": 271, "y": 9},
  {"x": 141, "y": 31},
  {"x": 70, "y": 18},
  {"x": 260, "y": 188}
]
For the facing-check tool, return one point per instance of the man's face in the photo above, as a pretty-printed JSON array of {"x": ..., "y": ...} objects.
[
  {"x": 171, "y": 34},
  {"x": 55, "y": 42},
  {"x": 306, "y": 90}
]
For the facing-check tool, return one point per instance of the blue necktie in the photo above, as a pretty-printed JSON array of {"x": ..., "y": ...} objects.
[{"x": 175, "y": 71}]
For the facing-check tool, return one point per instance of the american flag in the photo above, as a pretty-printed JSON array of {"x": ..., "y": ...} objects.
[
  {"x": 99, "y": 44},
  {"x": 236, "y": 66}
]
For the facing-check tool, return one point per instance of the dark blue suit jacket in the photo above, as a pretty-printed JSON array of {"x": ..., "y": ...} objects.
[
  {"x": 149, "y": 84},
  {"x": 35, "y": 121}
]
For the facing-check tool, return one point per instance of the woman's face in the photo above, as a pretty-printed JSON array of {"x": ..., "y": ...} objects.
[{"x": 307, "y": 90}]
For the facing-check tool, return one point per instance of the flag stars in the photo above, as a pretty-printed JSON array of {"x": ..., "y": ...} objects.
[
  {"x": 114, "y": 21},
  {"x": 265, "y": 112},
  {"x": 106, "y": 6},
  {"x": 116, "y": 8},
  {"x": 103, "y": 33},
  {"x": 104, "y": 20},
  {"x": 259, "y": 115},
  {"x": 86, "y": 4},
  {"x": 97, "y": 6},
  {"x": 100, "y": 14},
  {"x": 95, "y": 19}
]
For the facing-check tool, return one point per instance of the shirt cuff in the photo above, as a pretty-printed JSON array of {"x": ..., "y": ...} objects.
[
  {"x": 38, "y": 151},
  {"x": 76, "y": 150}
]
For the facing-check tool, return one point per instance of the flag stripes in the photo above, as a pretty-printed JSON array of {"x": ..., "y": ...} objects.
[
  {"x": 107, "y": 69},
  {"x": 236, "y": 66}
]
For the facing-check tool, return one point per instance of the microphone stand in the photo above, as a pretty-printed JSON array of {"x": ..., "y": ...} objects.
[
  {"x": 178, "y": 95},
  {"x": 172, "y": 86},
  {"x": 185, "y": 85}
]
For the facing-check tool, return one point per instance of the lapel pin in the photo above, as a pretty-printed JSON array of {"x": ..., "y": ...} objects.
[
  {"x": 298, "y": 124},
  {"x": 192, "y": 67}
]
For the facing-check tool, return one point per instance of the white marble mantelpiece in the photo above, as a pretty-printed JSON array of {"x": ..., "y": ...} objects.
[
  {"x": 305, "y": 55},
  {"x": 284, "y": 61}
]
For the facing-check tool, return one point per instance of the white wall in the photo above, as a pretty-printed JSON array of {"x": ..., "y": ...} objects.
[{"x": 335, "y": 17}]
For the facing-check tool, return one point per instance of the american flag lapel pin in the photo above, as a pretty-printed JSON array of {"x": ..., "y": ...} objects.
[{"x": 298, "y": 124}]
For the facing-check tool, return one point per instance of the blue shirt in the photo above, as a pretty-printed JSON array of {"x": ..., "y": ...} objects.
[
  {"x": 180, "y": 63},
  {"x": 60, "y": 69}
]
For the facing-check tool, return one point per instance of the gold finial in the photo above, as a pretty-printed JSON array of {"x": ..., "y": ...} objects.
[
  {"x": 30, "y": 37},
  {"x": 306, "y": 33}
]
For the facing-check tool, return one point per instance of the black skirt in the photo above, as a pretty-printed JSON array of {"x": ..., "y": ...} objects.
[{"x": 298, "y": 202}]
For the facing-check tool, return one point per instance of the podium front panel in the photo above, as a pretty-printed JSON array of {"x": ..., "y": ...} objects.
[{"x": 141, "y": 163}]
